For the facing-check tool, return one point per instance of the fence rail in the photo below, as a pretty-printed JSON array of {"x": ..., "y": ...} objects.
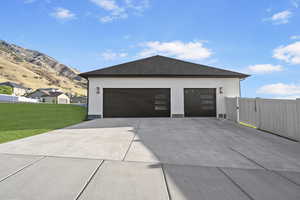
[
  {"x": 278, "y": 116},
  {"x": 16, "y": 99}
]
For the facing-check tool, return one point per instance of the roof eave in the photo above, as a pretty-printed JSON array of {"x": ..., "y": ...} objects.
[{"x": 86, "y": 76}]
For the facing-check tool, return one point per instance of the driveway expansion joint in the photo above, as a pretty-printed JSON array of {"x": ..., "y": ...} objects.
[
  {"x": 131, "y": 142},
  {"x": 166, "y": 182},
  {"x": 235, "y": 183},
  {"x": 251, "y": 160},
  {"x": 89, "y": 180},
  {"x": 22, "y": 168},
  {"x": 272, "y": 171}
]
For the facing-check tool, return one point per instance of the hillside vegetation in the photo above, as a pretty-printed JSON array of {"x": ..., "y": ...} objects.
[
  {"x": 23, "y": 120},
  {"x": 5, "y": 90},
  {"x": 34, "y": 70}
]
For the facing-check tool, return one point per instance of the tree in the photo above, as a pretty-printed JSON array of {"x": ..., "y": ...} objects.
[{"x": 5, "y": 89}]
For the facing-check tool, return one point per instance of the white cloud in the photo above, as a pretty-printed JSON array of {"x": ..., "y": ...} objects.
[
  {"x": 106, "y": 19},
  {"x": 264, "y": 68},
  {"x": 295, "y": 37},
  {"x": 269, "y": 10},
  {"x": 281, "y": 17},
  {"x": 115, "y": 11},
  {"x": 280, "y": 89},
  {"x": 33, "y": 1},
  {"x": 178, "y": 49},
  {"x": 110, "y": 55},
  {"x": 138, "y": 5},
  {"x": 63, "y": 13},
  {"x": 289, "y": 97},
  {"x": 29, "y": 1},
  {"x": 295, "y": 3},
  {"x": 126, "y": 37},
  {"x": 118, "y": 11},
  {"x": 106, "y": 4},
  {"x": 289, "y": 53}
]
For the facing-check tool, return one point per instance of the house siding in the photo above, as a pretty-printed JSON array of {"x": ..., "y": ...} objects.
[
  {"x": 19, "y": 91},
  {"x": 63, "y": 99}
]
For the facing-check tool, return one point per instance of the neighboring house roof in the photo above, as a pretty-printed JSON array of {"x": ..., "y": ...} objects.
[
  {"x": 13, "y": 85},
  {"x": 52, "y": 94},
  {"x": 160, "y": 66},
  {"x": 38, "y": 92},
  {"x": 47, "y": 89}
]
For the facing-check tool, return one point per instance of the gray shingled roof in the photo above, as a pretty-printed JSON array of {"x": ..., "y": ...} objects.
[
  {"x": 13, "y": 85},
  {"x": 160, "y": 66},
  {"x": 52, "y": 94}
]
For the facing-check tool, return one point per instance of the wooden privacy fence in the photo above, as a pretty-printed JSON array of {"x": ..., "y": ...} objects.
[{"x": 278, "y": 116}]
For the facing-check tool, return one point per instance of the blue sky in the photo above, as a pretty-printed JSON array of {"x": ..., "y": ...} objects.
[{"x": 259, "y": 37}]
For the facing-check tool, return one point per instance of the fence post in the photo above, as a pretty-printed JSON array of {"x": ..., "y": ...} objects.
[
  {"x": 298, "y": 119},
  {"x": 237, "y": 110},
  {"x": 258, "y": 112}
]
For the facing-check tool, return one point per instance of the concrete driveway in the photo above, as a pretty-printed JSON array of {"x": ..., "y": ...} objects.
[{"x": 162, "y": 158}]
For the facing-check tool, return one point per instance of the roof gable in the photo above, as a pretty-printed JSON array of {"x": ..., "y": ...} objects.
[{"x": 160, "y": 66}]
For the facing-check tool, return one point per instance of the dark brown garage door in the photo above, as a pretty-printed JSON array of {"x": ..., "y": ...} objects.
[
  {"x": 136, "y": 102},
  {"x": 200, "y": 102}
]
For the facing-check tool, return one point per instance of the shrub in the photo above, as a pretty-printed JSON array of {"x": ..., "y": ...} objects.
[
  {"x": 5, "y": 89},
  {"x": 18, "y": 59}
]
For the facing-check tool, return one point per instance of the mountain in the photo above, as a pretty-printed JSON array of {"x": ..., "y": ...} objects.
[{"x": 34, "y": 70}]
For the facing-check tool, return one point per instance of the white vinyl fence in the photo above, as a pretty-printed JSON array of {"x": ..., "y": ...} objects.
[
  {"x": 278, "y": 116},
  {"x": 16, "y": 99},
  {"x": 231, "y": 109}
]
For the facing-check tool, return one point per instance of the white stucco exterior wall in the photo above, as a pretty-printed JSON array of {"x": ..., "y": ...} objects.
[
  {"x": 231, "y": 88},
  {"x": 19, "y": 91}
]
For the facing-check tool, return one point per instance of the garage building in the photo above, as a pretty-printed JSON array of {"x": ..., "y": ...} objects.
[{"x": 159, "y": 86}]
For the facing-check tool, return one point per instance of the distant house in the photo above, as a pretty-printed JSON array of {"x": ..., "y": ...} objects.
[
  {"x": 56, "y": 97},
  {"x": 41, "y": 92},
  {"x": 80, "y": 100},
  {"x": 18, "y": 90},
  {"x": 50, "y": 95}
]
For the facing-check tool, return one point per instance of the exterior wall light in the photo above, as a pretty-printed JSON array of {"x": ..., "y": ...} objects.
[
  {"x": 221, "y": 90},
  {"x": 97, "y": 90}
]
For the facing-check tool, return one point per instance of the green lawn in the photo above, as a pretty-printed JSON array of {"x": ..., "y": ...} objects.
[{"x": 23, "y": 120}]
